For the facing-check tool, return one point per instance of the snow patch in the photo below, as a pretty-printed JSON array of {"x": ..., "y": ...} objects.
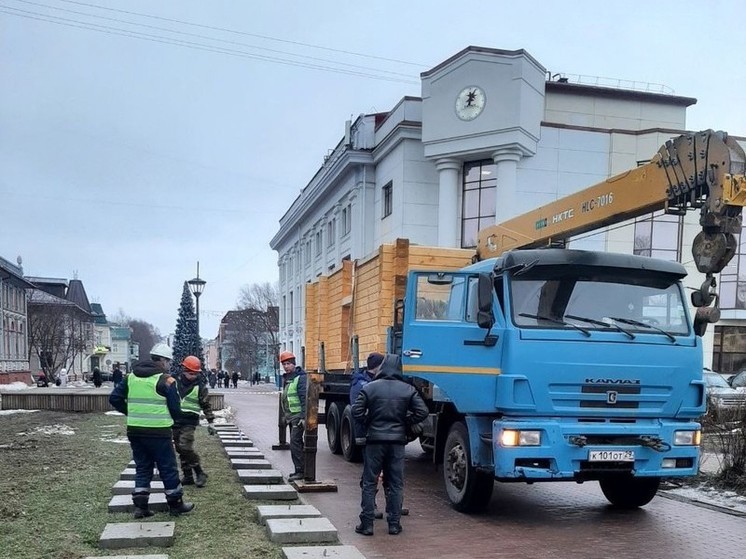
[
  {"x": 710, "y": 496},
  {"x": 51, "y": 430},
  {"x": 117, "y": 440},
  {"x": 113, "y": 412},
  {"x": 10, "y": 412},
  {"x": 13, "y": 386}
]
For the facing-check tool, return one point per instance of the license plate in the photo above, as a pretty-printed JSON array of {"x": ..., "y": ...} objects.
[{"x": 611, "y": 456}]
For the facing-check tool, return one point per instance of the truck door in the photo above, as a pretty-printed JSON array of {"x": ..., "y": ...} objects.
[{"x": 442, "y": 342}]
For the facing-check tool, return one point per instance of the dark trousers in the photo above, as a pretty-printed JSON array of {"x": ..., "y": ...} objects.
[
  {"x": 388, "y": 458},
  {"x": 148, "y": 452},
  {"x": 183, "y": 436},
  {"x": 296, "y": 445}
]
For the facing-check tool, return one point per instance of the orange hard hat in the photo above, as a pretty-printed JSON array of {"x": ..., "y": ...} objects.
[
  {"x": 192, "y": 363},
  {"x": 286, "y": 356}
]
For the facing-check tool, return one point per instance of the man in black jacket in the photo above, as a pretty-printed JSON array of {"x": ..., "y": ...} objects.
[
  {"x": 387, "y": 406},
  {"x": 151, "y": 403}
]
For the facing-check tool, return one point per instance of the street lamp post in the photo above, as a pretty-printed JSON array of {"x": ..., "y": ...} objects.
[{"x": 197, "y": 286}]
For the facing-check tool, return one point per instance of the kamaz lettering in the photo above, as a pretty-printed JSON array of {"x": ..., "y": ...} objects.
[
  {"x": 598, "y": 202},
  {"x": 611, "y": 381}
]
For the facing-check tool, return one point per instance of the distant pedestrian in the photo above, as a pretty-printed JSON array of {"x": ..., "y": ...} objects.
[
  {"x": 387, "y": 405},
  {"x": 294, "y": 409},
  {"x": 63, "y": 378},
  {"x": 116, "y": 375},
  {"x": 194, "y": 397},
  {"x": 97, "y": 380},
  {"x": 234, "y": 378},
  {"x": 227, "y": 380},
  {"x": 150, "y": 400},
  {"x": 213, "y": 378}
]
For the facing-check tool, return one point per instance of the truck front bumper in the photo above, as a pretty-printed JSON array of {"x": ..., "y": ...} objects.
[{"x": 578, "y": 451}]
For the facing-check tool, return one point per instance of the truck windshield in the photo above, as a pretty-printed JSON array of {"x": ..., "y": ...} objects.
[{"x": 553, "y": 298}]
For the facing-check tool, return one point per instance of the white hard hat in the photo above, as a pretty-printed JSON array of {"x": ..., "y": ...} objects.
[{"x": 162, "y": 350}]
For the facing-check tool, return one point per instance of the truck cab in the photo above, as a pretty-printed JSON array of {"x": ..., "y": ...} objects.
[{"x": 556, "y": 365}]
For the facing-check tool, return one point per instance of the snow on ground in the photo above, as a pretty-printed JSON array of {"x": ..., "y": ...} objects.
[
  {"x": 112, "y": 412},
  {"x": 222, "y": 416},
  {"x": 113, "y": 439},
  {"x": 709, "y": 496},
  {"x": 15, "y": 386},
  {"x": 9, "y": 412},
  {"x": 51, "y": 430}
]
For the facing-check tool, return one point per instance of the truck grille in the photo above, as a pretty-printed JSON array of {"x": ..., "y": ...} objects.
[{"x": 618, "y": 403}]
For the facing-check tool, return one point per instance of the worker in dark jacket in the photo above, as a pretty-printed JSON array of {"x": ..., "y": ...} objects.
[
  {"x": 360, "y": 378},
  {"x": 150, "y": 401},
  {"x": 294, "y": 409},
  {"x": 388, "y": 406},
  {"x": 194, "y": 397}
]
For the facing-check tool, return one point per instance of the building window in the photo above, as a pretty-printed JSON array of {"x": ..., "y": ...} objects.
[
  {"x": 319, "y": 243},
  {"x": 346, "y": 219},
  {"x": 284, "y": 310},
  {"x": 729, "y": 349},
  {"x": 290, "y": 309},
  {"x": 478, "y": 202},
  {"x": 307, "y": 258},
  {"x": 733, "y": 280},
  {"x": 331, "y": 231},
  {"x": 659, "y": 236},
  {"x": 388, "y": 202}
]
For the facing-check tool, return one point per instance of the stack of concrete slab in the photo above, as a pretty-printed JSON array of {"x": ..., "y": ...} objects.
[{"x": 137, "y": 534}]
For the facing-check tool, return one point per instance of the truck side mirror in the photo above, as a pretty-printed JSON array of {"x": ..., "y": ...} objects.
[{"x": 485, "y": 317}]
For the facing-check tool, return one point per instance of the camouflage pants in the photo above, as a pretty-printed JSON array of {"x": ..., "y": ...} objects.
[{"x": 183, "y": 436}]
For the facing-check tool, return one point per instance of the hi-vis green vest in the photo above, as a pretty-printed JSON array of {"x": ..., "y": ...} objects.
[
  {"x": 190, "y": 401},
  {"x": 293, "y": 399},
  {"x": 145, "y": 407}
]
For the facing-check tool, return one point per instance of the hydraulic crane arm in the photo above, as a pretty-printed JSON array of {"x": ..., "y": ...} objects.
[{"x": 703, "y": 170}]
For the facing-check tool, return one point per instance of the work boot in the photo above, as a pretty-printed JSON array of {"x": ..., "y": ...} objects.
[
  {"x": 140, "y": 501},
  {"x": 295, "y": 475},
  {"x": 364, "y": 528},
  {"x": 177, "y": 506},
  {"x": 394, "y": 529},
  {"x": 188, "y": 478},
  {"x": 201, "y": 480}
]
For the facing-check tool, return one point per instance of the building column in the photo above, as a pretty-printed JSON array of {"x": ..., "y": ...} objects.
[
  {"x": 448, "y": 216},
  {"x": 506, "y": 162}
]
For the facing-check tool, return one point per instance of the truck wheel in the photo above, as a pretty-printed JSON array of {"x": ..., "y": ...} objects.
[
  {"x": 351, "y": 451},
  {"x": 468, "y": 489},
  {"x": 333, "y": 420},
  {"x": 629, "y": 492}
]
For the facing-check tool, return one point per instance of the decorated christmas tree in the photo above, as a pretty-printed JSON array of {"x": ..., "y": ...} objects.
[{"x": 186, "y": 339}]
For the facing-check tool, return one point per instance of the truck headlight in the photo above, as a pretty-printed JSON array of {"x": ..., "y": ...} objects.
[
  {"x": 512, "y": 437},
  {"x": 687, "y": 438}
]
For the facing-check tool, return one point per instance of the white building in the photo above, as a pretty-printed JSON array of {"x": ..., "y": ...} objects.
[
  {"x": 493, "y": 136},
  {"x": 14, "y": 361}
]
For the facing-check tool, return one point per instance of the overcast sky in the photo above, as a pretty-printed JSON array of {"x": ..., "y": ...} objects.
[{"x": 126, "y": 159}]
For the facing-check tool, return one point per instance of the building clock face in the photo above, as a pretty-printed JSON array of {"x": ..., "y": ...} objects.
[{"x": 470, "y": 103}]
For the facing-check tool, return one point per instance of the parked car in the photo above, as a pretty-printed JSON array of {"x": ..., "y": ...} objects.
[
  {"x": 738, "y": 380},
  {"x": 724, "y": 402}
]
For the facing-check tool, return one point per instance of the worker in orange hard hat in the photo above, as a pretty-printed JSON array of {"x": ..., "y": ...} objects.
[
  {"x": 194, "y": 397},
  {"x": 294, "y": 408}
]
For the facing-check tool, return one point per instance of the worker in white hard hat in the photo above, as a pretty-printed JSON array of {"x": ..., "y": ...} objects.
[{"x": 150, "y": 400}]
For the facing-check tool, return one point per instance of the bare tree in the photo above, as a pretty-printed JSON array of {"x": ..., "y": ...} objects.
[
  {"x": 58, "y": 332},
  {"x": 145, "y": 334},
  {"x": 265, "y": 298}
]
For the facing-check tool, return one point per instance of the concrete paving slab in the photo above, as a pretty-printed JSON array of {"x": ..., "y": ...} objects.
[
  {"x": 233, "y": 448},
  {"x": 267, "y": 512},
  {"x": 137, "y": 534},
  {"x": 259, "y": 477},
  {"x": 301, "y": 530},
  {"x": 129, "y": 557},
  {"x": 123, "y": 503},
  {"x": 125, "y": 487},
  {"x": 130, "y": 473},
  {"x": 276, "y": 492},
  {"x": 237, "y": 443},
  {"x": 245, "y": 453},
  {"x": 250, "y": 464},
  {"x": 225, "y": 427},
  {"x": 322, "y": 552}
]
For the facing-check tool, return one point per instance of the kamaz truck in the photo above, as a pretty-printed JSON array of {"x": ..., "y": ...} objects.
[{"x": 541, "y": 363}]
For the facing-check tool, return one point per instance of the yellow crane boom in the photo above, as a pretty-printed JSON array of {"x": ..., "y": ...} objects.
[{"x": 702, "y": 170}]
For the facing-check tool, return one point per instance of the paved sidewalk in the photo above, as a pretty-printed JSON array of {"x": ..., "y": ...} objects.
[{"x": 551, "y": 520}]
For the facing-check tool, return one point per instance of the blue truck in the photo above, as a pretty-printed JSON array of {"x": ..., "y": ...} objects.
[{"x": 553, "y": 364}]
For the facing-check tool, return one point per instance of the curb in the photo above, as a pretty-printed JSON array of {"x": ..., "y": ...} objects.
[{"x": 703, "y": 504}]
